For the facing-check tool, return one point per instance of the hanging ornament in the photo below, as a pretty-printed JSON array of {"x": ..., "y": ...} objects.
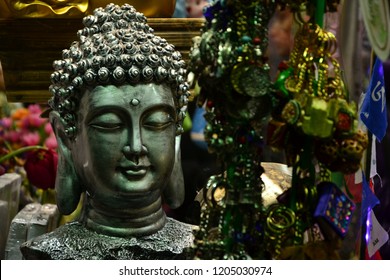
[
  {"x": 229, "y": 63},
  {"x": 316, "y": 125}
]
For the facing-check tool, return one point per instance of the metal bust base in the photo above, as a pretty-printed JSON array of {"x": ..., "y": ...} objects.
[{"x": 171, "y": 242}]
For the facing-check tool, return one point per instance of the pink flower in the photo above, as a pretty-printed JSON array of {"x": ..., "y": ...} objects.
[
  {"x": 41, "y": 168},
  {"x": 48, "y": 128},
  {"x": 30, "y": 138},
  {"x": 35, "y": 109},
  {"x": 35, "y": 120},
  {"x": 51, "y": 142},
  {"x": 12, "y": 136},
  {"x": 6, "y": 122}
]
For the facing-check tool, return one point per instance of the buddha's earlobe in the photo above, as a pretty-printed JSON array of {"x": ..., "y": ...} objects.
[
  {"x": 68, "y": 188},
  {"x": 175, "y": 190}
]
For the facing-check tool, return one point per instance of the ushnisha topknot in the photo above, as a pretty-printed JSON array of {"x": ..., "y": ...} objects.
[{"x": 116, "y": 47}]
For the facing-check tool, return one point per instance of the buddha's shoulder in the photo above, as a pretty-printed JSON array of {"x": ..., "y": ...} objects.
[{"x": 74, "y": 241}]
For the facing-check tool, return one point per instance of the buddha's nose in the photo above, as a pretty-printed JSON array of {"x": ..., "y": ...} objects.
[{"x": 135, "y": 146}]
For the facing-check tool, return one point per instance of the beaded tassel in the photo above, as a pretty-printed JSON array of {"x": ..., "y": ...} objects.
[{"x": 230, "y": 64}]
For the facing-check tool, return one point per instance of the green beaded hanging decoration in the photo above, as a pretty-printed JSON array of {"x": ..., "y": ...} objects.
[
  {"x": 230, "y": 66},
  {"x": 318, "y": 122}
]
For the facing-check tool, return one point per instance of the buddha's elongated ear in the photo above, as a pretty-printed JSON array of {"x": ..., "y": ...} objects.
[
  {"x": 68, "y": 188},
  {"x": 175, "y": 190}
]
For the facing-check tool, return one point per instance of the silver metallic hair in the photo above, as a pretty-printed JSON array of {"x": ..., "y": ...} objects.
[{"x": 117, "y": 47}]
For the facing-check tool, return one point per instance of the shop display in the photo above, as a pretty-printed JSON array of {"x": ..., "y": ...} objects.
[{"x": 306, "y": 113}]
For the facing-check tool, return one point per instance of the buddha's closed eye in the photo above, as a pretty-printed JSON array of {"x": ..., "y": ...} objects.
[
  {"x": 157, "y": 120},
  {"x": 107, "y": 122}
]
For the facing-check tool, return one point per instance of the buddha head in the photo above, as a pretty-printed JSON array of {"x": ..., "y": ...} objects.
[{"x": 118, "y": 104}]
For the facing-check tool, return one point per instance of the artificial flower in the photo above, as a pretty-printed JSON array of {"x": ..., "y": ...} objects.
[
  {"x": 30, "y": 138},
  {"x": 41, "y": 168},
  {"x": 27, "y": 147},
  {"x": 51, "y": 142}
]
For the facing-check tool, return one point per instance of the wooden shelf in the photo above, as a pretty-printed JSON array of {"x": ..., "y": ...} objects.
[{"x": 28, "y": 48}]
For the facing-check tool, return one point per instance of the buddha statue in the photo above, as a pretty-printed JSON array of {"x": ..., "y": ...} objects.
[{"x": 118, "y": 104}]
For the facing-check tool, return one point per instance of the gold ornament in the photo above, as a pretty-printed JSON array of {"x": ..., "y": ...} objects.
[{"x": 79, "y": 8}]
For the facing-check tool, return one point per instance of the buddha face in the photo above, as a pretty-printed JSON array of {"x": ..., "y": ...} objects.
[{"x": 125, "y": 148}]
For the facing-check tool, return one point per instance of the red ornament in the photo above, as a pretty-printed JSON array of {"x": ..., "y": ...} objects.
[
  {"x": 256, "y": 41},
  {"x": 210, "y": 104},
  {"x": 344, "y": 121},
  {"x": 283, "y": 66},
  {"x": 41, "y": 168}
]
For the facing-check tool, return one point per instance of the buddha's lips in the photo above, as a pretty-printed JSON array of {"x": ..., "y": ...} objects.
[{"x": 133, "y": 170}]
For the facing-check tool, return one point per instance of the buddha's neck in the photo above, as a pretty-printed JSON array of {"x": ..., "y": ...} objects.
[{"x": 124, "y": 222}]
